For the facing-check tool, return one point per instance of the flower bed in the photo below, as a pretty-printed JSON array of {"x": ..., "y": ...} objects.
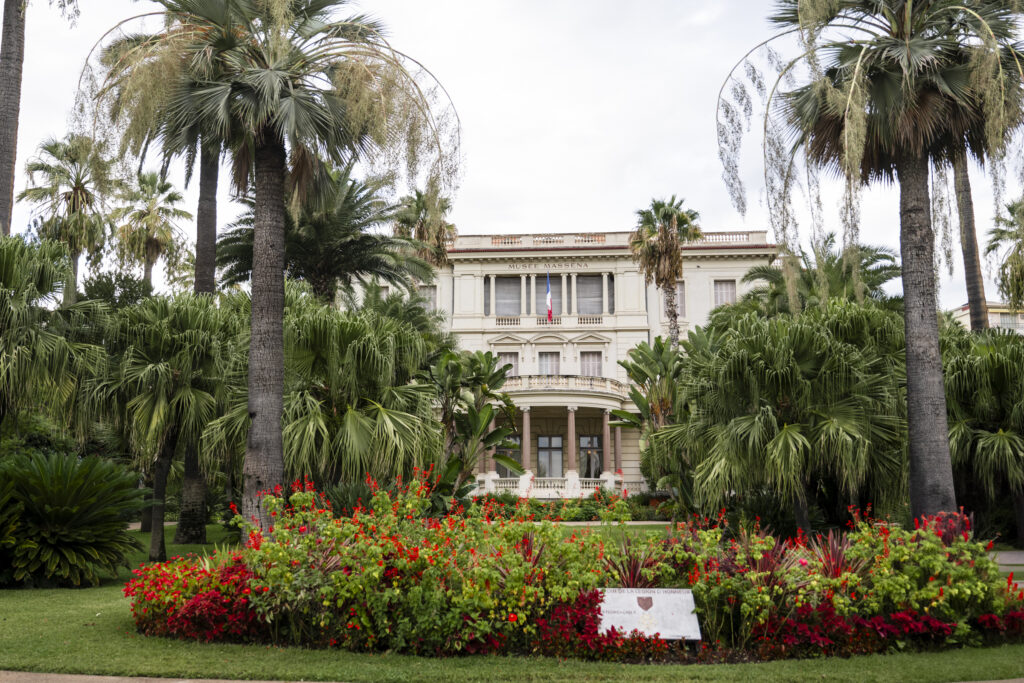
[{"x": 482, "y": 581}]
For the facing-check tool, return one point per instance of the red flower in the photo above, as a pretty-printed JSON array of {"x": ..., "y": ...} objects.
[{"x": 513, "y": 617}]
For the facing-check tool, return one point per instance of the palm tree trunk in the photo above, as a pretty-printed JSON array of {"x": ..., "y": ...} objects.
[
  {"x": 161, "y": 468},
  {"x": 931, "y": 472},
  {"x": 206, "y": 222},
  {"x": 263, "y": 468},
  {"x": 71, "y": 287},
  {"x": 12, "y": 58},
  {"x": 146, "y": 525},
  {"x": 147, "y": 273},
  {"x": 192, "y": 519},
  {"x": 672, "y": 313},
  {"x": 969, "y": 245}
]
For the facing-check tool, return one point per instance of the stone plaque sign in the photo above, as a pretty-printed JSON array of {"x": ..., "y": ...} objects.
[{"x": 665, "y": 611}]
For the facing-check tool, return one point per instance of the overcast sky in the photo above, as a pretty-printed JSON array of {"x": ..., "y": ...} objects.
[{"x": 575, "y": 113}]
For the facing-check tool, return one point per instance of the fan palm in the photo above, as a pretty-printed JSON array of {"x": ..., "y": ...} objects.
[
  {"x": 800, "y": 405},
  {"x": 421, "y": 217},
  {"x": 290, "y": 85},
  {"x": 825, "y": 274},
  {"x": 656, "y": 245},
  {"x": 148, "y": 228},
  {"x": 166, "y": 382},
  {"x": 917, "y": 83},
  {"x": 1006, "y": 241},
  {"x": 69, "y": 182},
  {"x": 41, "y": 361},
  {"x": 986, "y": 413},
  {"x": 331, "y": 244}
]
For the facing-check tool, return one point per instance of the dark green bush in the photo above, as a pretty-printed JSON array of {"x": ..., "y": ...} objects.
[{"x": 71, "y": 518}]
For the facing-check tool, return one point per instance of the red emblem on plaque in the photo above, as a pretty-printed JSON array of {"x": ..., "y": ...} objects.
[{"x": 645, "y": 602}]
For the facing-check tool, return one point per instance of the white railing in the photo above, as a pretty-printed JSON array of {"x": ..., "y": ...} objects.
[
  {"x": 555, "y": 320},
  {"x": 588, "y": 485},
  {"x": 609, "y": 239},
  {"x": 548, "y": 483},
  {"x": 507, "y": 484},
  {"x": 506, "y": 322},
  {"x": 634, "y": 485},
  {"x": 591, "y": 320},
  {"x": 570, "y": 382}
]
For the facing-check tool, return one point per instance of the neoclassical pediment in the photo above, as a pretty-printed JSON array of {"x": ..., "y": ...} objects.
[
  {"x": 549, "y": 338},
  {"x": 507, "y": 339},
  {"x": 591, "y": 338}
]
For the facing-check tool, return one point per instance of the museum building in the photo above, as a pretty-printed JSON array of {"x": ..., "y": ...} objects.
[{"x": 566, "y": 378}]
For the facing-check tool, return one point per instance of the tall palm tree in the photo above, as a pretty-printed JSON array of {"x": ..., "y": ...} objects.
[
  {"x": 656, "y": 244},
  {"x": 148, "y": 218},
  {"x": 69, "y": 183},
  {"x": 12, "y": 59},
  {"x": 825, "y": 273},
  {"x": 917, "y": 82},
  {"x": 293, "y": 85},
  {"x": 421, "y": 217},
  {"x": 1007, "y": 241},
  {"x": 331, "y": 244},
  {"x": 969, "y": 244}
]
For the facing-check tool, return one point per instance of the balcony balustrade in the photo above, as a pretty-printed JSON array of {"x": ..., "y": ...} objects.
[
  {"x": 608, "y": 239},
  {"x": 566, "y": 382}
]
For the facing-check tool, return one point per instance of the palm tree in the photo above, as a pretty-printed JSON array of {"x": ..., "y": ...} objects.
[
  {"x": 969, "y": 244},
  {"x": 1007, "y": 241},
  {"x": 919, "y": 82},
  {"x": 149, "y": 229},
  {"x": 41, "y": 361},
  {"x": 421, "y": 217},
  {"x": 986, "y": 414},
  {"x": 656, "y": 244},
  {"x": 166, "y": 381},
  {"x": 69, "y": 181},
  {"x": 824, "y": 274},
  {"x": 808, "y": 406},
  {"x": 12, "y": 58},
  {"x": 292, "y": 84},
  {"x": 330, "y": 246}
]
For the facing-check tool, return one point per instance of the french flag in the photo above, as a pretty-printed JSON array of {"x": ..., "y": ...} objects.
[{"x": 549, "y": 298}]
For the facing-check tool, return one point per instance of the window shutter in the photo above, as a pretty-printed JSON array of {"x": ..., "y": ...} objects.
[
  {"x": 541, "y": 303},
  {"x": 510, "y": 358},
  {"x": 725, "y": 292},
  {"x": 588, "y": 296},
  {"x": 681, "y": 299},
  {"x": 590, "y": 363},
  {"x": 548, "y": 363},
  {"x": 506, "y": 296}
]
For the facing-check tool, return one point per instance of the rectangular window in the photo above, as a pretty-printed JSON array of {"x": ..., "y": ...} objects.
[
  {"x": 681, "y": 299},
  {"x": 590, "y": 456},
  {"x": 514, "y": 452},
  {"x": 507, "y": 296},
  {"x": 549, "y": 456},
  {"x": 1008, "y": 320},
  {"x": 588, "y": 294},
  {"x": 429, "y": 292},
  {"x": 510, "y": 358},
  {"x": 541, "y": 303},
  {"x": 725, "y": 292},
  {"x": 590, "y": 363},
  {"x": 548, "y": 362},
  {"x": 611, "y": 293}
]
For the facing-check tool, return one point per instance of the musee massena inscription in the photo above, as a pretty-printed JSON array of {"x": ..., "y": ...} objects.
[{"x": 669, "y": 612}]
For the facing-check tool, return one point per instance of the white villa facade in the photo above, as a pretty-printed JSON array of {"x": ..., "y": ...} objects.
[{"x": 565, "y": 373}]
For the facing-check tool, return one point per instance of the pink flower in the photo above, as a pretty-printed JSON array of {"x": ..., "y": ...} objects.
[{"x": 803, "y": 562}]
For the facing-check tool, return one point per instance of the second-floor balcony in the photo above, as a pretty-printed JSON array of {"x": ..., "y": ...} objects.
[
  {"x": 613, "y": 240},
  {"x": 605, "y": 385}
]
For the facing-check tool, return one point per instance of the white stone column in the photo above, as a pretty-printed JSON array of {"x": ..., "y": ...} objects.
[
  {"x": 571, "y": 450},
  {"x": 574, "y": 306},
  {"x": 604, "y": 293},
  {"x": 527, "y": 443},
  {"x": 618, "y": 448},
  {"x": 522, "y": 296},
  {"x": 565, "y": 295},
  {"x": 494, "y": 312},
  {"x": 606, "y": 443},
  {"x": 531, "y": 309}
]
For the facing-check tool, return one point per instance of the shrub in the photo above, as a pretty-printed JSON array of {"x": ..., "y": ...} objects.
[{"x": 72, "y": 518}]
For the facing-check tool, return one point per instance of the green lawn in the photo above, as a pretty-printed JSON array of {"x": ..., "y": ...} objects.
[{"x": 89, "y": 631}]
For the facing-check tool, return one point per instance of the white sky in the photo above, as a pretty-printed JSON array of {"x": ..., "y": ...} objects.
[{"x": 574, "y": 113}]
